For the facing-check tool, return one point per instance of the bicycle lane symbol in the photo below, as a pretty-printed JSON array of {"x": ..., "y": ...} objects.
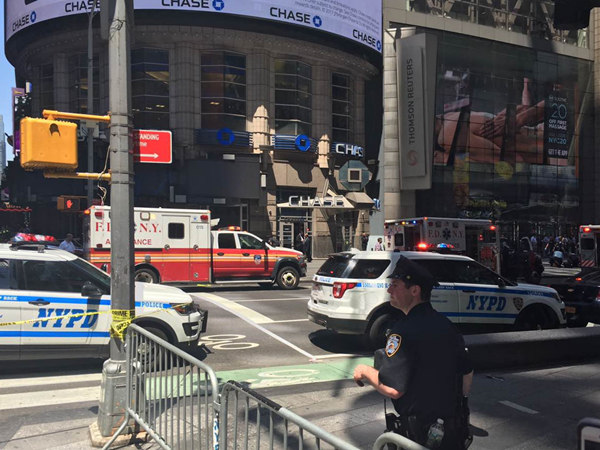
[
  {"x": 284, "y": 377},
  {"x": 227, "y": 342}
]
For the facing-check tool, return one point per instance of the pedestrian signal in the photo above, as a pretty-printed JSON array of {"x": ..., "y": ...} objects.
[
  {"x": 68, "y": 203},
  {"x": 48, "y": 144}
]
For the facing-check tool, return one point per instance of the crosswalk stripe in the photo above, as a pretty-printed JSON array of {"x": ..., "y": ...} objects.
[
  {"x": 49, "y": 398},
  {"x": 41, "y": 381}
]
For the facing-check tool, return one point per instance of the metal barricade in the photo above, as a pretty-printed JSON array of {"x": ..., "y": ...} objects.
[
  {"x": 401, "y": 442},
  {"x": 250, "y": 421},
  {"x": 170, "y": 394}
]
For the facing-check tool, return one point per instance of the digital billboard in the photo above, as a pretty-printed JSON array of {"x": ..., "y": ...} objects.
[
  {"x": 357, "y": 20},
  {"x": 509, "y": 128}
]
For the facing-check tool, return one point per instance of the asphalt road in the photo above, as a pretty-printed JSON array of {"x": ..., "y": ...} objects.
[{"x": 262, "y": 337}]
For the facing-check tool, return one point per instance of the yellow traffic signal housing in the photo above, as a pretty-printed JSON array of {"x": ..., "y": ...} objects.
[{"x": 48, "y": 144}]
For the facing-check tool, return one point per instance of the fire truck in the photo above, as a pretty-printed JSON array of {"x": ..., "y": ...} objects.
[
  {"x": 178, "y": 246},
  {"x": 476, "y": 238},
  {"x": 589, "y": 245}
]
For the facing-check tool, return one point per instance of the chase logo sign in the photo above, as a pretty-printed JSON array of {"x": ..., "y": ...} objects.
[
  {"x": 218, "y": 5},
  {"x": 24, "y": 21}
]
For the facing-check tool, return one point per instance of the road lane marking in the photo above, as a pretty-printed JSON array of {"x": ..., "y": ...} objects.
[
  {"x": 43, "y": 381},
  {"x": 338, "y": 355},
  {"x": 290, "y": 320},
  {"x": 274, "y": 299},
  {"x": 226, "y": 305},
  {"x": 239, "y": 310},
  {"x": 518, "y": 407},
  {"x": 49, "y": 398}
]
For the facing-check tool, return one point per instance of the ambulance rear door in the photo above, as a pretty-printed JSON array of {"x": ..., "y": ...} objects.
[
  {"x": 176, "y": 250},
  {"x": 200, "y": 247}
]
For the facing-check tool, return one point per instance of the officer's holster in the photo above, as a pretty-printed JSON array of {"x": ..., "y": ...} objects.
[{"x": 409, "y": 427}]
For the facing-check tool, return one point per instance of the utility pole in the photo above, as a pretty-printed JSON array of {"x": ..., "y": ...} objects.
[
  {"x": 122, "y": 287},
  {"x": 90, "y": 107}
]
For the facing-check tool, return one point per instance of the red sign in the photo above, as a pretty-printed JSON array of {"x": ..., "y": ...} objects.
[{"x": 152, "y": 146}]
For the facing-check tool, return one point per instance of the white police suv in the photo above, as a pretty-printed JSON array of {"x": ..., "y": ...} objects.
[
  {"x": 56, "y": 305},
  {"x": 349, "y": 295}
]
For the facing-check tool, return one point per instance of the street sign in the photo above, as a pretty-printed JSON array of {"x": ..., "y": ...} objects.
[{"x": 152, "y": 146}]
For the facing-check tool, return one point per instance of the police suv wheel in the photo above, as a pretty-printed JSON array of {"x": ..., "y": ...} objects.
[
  {"x": 146, "y": 275},
  {"x": 534, "y": 318},
  {"x": 288, "y": 278},
  {"x": 377, "y": 333}
]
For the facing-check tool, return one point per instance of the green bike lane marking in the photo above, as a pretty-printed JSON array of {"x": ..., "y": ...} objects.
[
  {"x": 256, "y": 378},
  {"x": 316, "y": 372}
]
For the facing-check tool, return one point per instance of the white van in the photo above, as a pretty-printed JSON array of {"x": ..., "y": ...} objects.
[
  {"x": 56, "y": 305},
  {"x": 349, "y": 295}
]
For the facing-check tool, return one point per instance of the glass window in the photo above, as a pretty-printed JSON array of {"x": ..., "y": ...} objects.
[
  {"x": 248, "y": 242},
  {"x": 150, "y": 81},
  {"x": 472, "y": 272},
  {"x": 176, "y": 231},
  {"x": 369, "y": 268},
  {"x": 587, "y": 243},
  {"x": 335, "y": 266},
  {"x": 293, "y": 97},
  {"x": 7, "y": 274},
  {"x": 79, "y": 83},
  {"x": 56, "y": 276},
  {"x": 227, "y": 240},
  {"x": 223, "y": 90},
  {"x": 47, "y": 86},
  {"x": 398, "y": 240},
  {"x": 440, "y": 270},
  {"x": 341, "y": 106}
]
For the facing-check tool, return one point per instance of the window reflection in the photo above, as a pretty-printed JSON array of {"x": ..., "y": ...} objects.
[
  {"x": 150, "y": 88},
  {"x": 223, "y": 90},
  {"x": 79, "y": 83},
  {"x": 293, "y": 97},
  {"x": 341, "y": 98}
]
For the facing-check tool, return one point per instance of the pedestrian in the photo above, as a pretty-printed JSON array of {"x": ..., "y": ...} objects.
[
  {"x": 299, "y": 241},
  {"x": 67, "y": 244},
  {"x": 425, "y": 370},
  {"x": 534, "y": 243},
  {"x": 364, "y": 239},
  {"x": 307, "y": 247},
  {"x": 273, "y": 241},
  {"x": 379, "y": 245}
]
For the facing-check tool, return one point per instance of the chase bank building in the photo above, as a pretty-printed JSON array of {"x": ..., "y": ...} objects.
[{"x": 274, "y": 108}]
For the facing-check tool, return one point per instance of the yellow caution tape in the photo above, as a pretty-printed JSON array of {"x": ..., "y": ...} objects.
[{"x": 121, "y": 318}]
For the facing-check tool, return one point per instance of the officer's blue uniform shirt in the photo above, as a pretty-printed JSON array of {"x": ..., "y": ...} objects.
[{"x": 424, "y": 356}]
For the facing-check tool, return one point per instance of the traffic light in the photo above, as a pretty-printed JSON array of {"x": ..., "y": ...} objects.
[
  {"x": 69, "y": 203},
  {"x": 573, "y": 14},
  {"x": 21, "y": 109},
  {"x": 48, "y": 144}
]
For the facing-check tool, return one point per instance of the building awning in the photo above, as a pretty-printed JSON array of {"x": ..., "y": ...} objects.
[{"x": 360, "y": 198}]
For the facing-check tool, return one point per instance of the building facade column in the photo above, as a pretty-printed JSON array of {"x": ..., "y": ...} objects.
[
  {"x": 258, "y": 95},
  {"x": 184, "y": 88}
]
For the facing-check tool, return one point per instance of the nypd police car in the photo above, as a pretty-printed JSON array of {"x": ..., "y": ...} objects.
[
  {"x": 56, "y": 305},
  {"x": 349, "y": 295}
]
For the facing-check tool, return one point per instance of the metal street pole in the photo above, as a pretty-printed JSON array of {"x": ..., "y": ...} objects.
[
  {"x": 122, "y": 287},
  {"x": 90, "y": 107}
]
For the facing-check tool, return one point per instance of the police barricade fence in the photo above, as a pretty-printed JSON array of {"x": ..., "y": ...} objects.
[
  {"x": 401, "y": 442},
  {"x": 170, "y": 394},
  {"x": 175, "y": 398}
]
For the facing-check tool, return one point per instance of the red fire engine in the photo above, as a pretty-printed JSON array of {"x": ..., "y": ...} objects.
[{"x": 178, "y": 246}]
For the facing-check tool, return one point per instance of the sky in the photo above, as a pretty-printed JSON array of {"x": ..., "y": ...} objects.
[{"x": 7, "y": 81}]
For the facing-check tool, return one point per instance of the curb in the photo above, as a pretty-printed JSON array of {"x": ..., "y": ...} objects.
[
  {"x": 99, "y": 441},
  {"x": 526, "y": 348}
]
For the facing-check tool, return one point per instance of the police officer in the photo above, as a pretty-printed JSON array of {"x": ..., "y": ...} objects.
[{"x": 424, "y": 362}]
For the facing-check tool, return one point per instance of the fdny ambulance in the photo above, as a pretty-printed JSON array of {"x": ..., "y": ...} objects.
[
  {"x": 589, "y": 245},
  {"x": 475, "y": 238},
  {"x": 178, "y": 246}
]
